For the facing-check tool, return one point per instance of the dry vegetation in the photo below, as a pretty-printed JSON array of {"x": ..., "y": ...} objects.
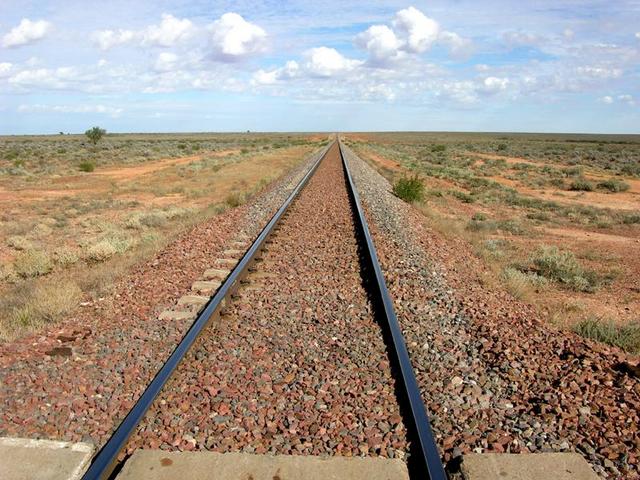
[
  {"x": 75, "y": 216},
  {"x": 555, "y": 217}
]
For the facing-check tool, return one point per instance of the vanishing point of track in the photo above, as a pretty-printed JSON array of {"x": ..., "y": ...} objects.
[{"x": 339, "y": 350}]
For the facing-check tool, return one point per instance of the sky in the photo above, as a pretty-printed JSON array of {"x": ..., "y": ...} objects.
[{"x": 269, "y": 65}]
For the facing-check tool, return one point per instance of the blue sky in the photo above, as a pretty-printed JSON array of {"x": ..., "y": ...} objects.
[{"x": 161, "y": 66}]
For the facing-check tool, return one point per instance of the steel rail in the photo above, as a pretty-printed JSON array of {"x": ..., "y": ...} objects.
[
  {"x": 106, "y": 459},
  {"x": 430, "y": 464}
]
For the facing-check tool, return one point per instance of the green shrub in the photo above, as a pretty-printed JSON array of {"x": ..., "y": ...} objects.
[
  {"x": 32, "y": 263},
  {"x": 244, "y": 150},
  {"x": 479, "y": 216},
  {"x": 95, "y": 134},
  {"x": 631, "y": 218},
  {"x": 562, "y": 267},
  {"x": 463, "y": 196},
  {"x": 87, "y": 166},
  {"x": 11, "y": 154},
  {"x": 409, "y": 189},
  {"x": 438, "y": 148},
  {"x": 501, "y": 147},
  {"x": 101, "y": 251},
  {"x": 582, "y": 185},
  {"x": 614, "y": 185},
  {"x": 626, "y": 337}
]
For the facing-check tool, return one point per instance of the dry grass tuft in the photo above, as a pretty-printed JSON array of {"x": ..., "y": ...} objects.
[{"x": 32, "y": 263}]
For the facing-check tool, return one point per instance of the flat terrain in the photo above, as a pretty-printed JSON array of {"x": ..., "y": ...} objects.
[
  {"x": 557, "y": 218},
  {"x": 75, "y": 216}
]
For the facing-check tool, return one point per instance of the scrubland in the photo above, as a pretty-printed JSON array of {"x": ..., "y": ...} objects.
[
  {"x": 556, "y": 218},
  {"x": 74, "y": 217}
]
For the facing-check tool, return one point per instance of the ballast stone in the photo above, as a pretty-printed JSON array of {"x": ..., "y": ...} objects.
[{"x": 162, "y": 465}]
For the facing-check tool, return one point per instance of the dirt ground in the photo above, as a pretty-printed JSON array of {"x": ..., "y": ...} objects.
[
  {"x": 60, "y": 226},
  {"x": 611, "y": 248}
]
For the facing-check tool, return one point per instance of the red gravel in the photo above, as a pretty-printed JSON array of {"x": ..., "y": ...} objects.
[
  {"x": 298, "y": 365},
  {"x": 493, "y": 374},
  {"x": 105, "y": 355}
]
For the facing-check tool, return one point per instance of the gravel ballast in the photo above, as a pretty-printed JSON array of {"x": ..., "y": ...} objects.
[
  {"x": 494, "y": 377},
  {"x": 298, "y": 364},
  {"x": 76, "y": 380}
]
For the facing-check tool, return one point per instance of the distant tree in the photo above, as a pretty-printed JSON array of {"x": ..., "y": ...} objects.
[
  {"x": 95, "y": 134},
  {"x": 61, "y": 133}
]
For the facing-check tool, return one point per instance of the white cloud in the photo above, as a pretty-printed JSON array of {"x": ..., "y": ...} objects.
[
  {"x": 494, "y": 84},
  {"x": 5, "y": 69},
  {"x": 599, "y": 72},
  {"x": 32, "y": 108},
  {"x": 169, "y": 32},
  {"x": 418, "y": 30},
  {"x": 26, "y": 32},
  {"x": 459, "y": 47},
  {"x": 380, "y": 42},
  {"x": 628, "y": 99},
  {"x": 568, "y": 33},
  {"x": 482, "y": 67},
  {"x": 328, "y": 62},
  {"x": 521, "y": 39},
  {"x": 607, "y": 99},
  {"x": 166, "y": 61},
  {"x": 262, "y": 77},
  {"x": 233, "y": 37},
  {"x": 106, "y": 39},
  {"x": 638, "y": 35}
]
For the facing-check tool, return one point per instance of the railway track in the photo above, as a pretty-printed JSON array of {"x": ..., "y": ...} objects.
[{"x": 298, "y": 349}]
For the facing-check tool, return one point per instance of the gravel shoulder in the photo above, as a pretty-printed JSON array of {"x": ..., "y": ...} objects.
[
  {"x": 494, "y": 377},
  {"x": 77, "y": 380}
]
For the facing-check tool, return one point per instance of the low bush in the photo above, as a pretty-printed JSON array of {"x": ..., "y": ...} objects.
[
  {"x": 101, "y": 251},
  {"x": 521, "y": 284},
  {"x": 409, "y": 189},
  {"x": 234, "y": 200},
  {"x": 626, "y": 337},
  {"x": 87, "y": 166},
  {"x": 19, "y": 242},
  {"x": 563, "y": 267},
  {"x": 438, "y": 148},
  {"x": 614, "y": 185},
  {"x": 32, "y": 263},
  {"x": 52, "y": 301},
  {"x": 581, "y": 185}
]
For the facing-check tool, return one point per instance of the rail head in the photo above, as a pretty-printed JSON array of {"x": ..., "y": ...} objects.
[{"x": 430, "y": 462}]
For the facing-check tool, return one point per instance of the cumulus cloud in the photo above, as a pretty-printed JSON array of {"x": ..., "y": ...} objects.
[
  {"x": 380, "y": 42},
  {"x": 411, "y": 33},
  {"x": 26, "y": 32},
  {"x": 169, "y": 32},
  {"x": 5, "y": 69},
  {"x": 43, "y": 77},
  {"x": 166, "y": 61},
  {"x": 234, "y": 38},
  {"x": 328, "y": 62},
  {"x": 418, "y": 30},
  {"x": 107, "y": 39},
  {"x": 494, "y": 84},
  {"x": 290, "y": 70},
  {"x": 459, "y": 47},
  {"x": 608, "y": 99},
  {"x": 638, "y": 35}
]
